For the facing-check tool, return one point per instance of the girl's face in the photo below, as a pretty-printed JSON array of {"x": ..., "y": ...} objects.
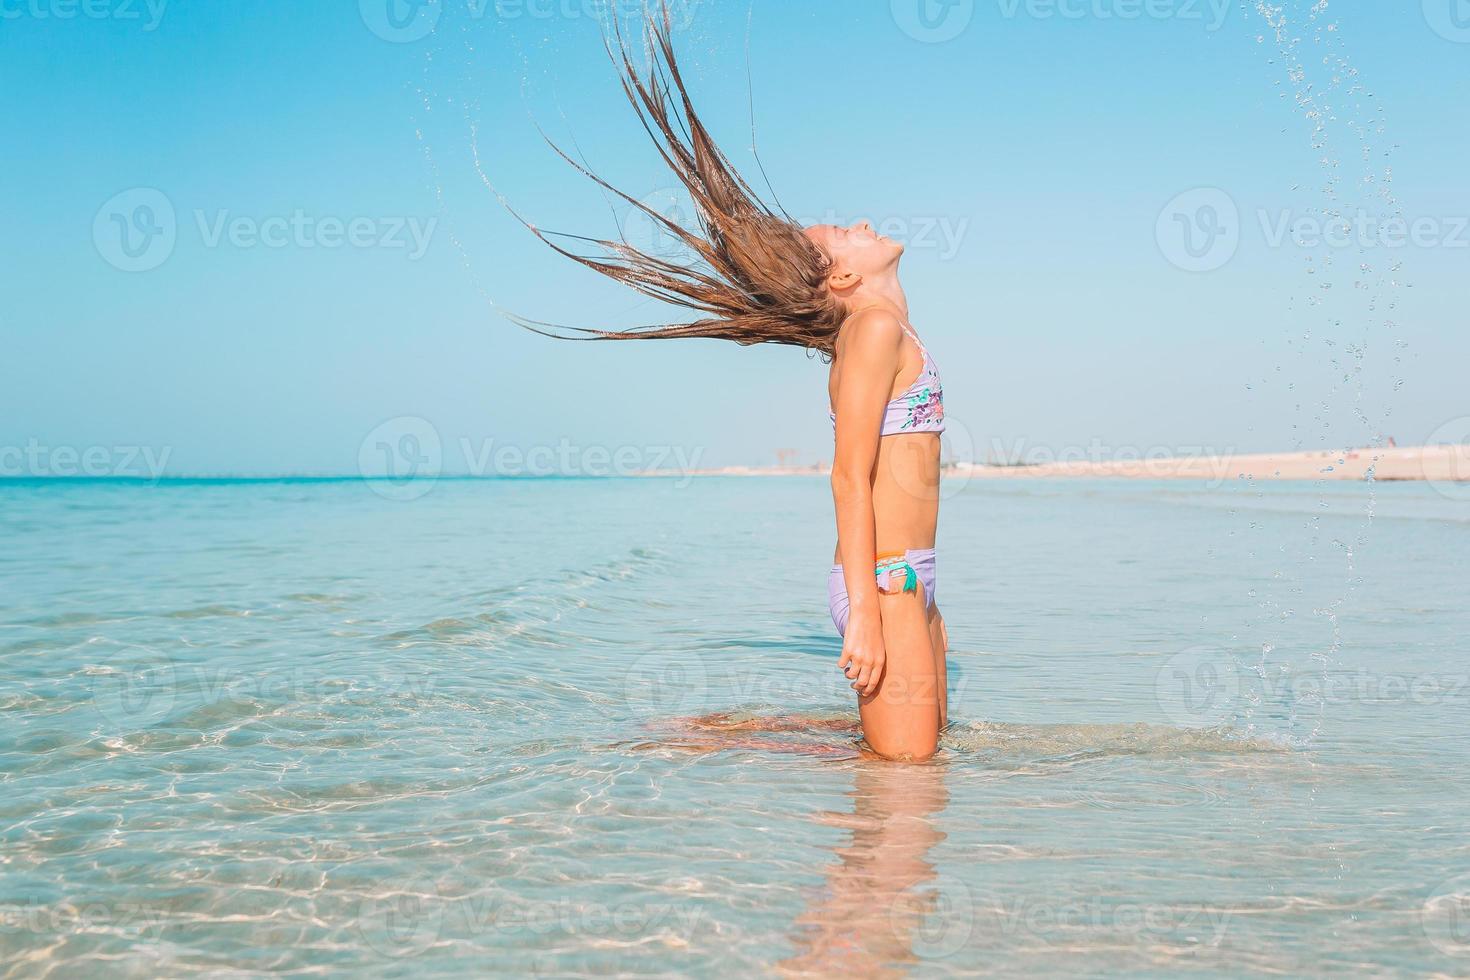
[{"x": 857, "y": 250}]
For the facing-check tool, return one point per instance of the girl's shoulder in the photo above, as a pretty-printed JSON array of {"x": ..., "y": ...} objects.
[{"x": 871, "y": 330}]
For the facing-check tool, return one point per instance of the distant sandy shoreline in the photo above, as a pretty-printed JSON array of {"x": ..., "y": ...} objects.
[{"x": 1447, "y": 464}]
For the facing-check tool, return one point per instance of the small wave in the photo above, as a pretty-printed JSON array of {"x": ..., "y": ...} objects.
[
  {"x": 1038, "y": 742},
  {"x": 487, "y": 630},
  {"x": 813, "y": 643},
  {"x": 821, "y": 734},
  {"x": 319, "y": 599},
  {"x": 1153, "y": 793},
  {"x": 206, "y": 612},
  {"x": 991, "y": 742},
  {"x": 65, "y": 620},
  {"x": 33, "y": 645},
  {"x": 523, "y": 613},
  {"x": 221, "y": 712}
]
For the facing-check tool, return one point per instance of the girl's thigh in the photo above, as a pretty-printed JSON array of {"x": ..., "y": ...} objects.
[{"x": 901, "y": 719}]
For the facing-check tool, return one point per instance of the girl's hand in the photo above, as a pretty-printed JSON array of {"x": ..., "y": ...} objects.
[{"x": 863, "y": 653}]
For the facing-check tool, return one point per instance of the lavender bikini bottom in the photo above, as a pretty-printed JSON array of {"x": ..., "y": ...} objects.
[{"x": 896, "y": 573}]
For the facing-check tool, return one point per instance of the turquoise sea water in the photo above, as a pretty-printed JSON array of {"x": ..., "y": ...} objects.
[{"x": 306, "y": 728}]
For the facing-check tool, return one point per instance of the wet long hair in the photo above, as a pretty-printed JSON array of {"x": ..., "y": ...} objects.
[{"x": 752, "y": 274}]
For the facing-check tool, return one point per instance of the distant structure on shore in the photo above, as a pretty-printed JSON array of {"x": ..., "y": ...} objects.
[
  {"x": 1436, "y": 464},
  {"x": 1440, "y": 464}
]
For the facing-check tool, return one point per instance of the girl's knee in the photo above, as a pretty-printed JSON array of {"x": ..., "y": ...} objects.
[{"x": 915, "y": 750}]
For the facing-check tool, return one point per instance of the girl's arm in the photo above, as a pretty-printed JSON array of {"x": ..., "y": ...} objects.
[{"x": 871, "y": 348}]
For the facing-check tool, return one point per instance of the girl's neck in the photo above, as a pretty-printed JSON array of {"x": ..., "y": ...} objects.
[{"x": 882, "y": 297}]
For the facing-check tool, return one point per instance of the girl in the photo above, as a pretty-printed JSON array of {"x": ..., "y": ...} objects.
[{"x": 755, "y": 276}]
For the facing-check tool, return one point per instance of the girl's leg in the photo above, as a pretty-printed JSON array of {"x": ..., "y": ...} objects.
[
  {"x": 939, "y": 640},
  {"x": 901, "y": 719}
]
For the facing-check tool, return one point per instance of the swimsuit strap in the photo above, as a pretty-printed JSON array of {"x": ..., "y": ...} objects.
[
  {"x": 914, "y": 337},
  {"x": 908, "y": 329}
]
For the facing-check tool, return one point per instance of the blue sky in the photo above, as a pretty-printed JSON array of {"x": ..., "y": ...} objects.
[{"x": 335, "y": 263}]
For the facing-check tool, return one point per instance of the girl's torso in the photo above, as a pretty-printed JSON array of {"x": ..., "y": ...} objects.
[{"x": 905, "y": 476}]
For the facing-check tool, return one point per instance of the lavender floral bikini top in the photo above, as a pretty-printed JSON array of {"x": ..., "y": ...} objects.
[{"x": 921, "y": 407}]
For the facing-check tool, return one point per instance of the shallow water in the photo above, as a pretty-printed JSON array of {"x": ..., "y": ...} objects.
[{"x": 303, "y": 727}]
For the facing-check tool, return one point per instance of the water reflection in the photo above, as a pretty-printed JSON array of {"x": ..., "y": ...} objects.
[
  {"x": 876, "y": 898},
  {"x": 873, "y": 915}
]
